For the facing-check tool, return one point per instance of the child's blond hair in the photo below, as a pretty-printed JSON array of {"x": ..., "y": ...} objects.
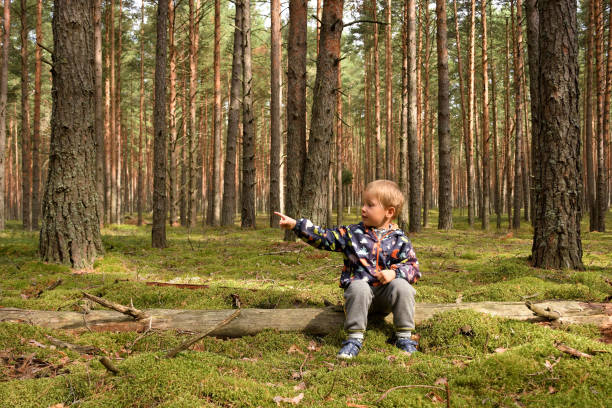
[{"x": 388, "y": 193}]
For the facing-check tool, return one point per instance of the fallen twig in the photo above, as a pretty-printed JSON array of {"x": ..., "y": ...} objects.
[
  {"x": 130, "y": 311},
  {"x": 199, "y": 337},
  {"x": 571, "y": 351},
  {"x": 542, "y": 312},
  {"x": 108, "y": 365},
  {"x": 178, "y": 285},
  {"x": 76, "y": 347}
]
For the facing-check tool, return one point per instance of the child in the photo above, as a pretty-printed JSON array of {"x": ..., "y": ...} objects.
[{"x": 380, "y": 265}]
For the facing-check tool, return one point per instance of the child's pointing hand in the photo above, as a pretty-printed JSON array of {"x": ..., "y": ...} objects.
[{"x": 285, "y": 222}]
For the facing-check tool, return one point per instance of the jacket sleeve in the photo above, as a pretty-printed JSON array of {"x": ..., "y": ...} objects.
[
  {"x": 404, "y": 262},
  {"x": 331, "y": 239}
]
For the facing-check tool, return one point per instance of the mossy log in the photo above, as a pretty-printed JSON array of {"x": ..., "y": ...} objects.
[{"x": 310, "y": 320}]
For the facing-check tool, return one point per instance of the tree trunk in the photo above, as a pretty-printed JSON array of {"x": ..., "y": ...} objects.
[
  {"x": 486, "y": 177},
  {"x": 556, "y": 239},
  {"x": 216, "y": 178},
  {"x": 599, "y": 137},
  {"x": 588, "y": 118},
  {"x": 465, "y": 127},
  {"x": 603, "y": 203},
  {"x": 6, "y": 38},
  {"x": 445, "y": 220},
  {"x": 173, "y": 196},
  {"x": 275, "y": 112},
  {"x": 314, "y": 188},
  {"x": 26, "y": 143},
  {"x": 36, "y": 139},
  {"x": 339, "y": 144},
  {"x": 194, "y": 26},
  {"x": 296, "y": 107},
  {"x": 228, "y": 213},
  {"x": 389, "y": 170},
  {"x": 518, "y": 112},
  {"x": 140, "y": 183},
  {"x": 158, "y": 233},
  {"x": 119, "y": 132},
  {"x": 403, "y": 158},
  {"x": 469, "y": 155},
  {"x": 99, "y": 118},
  {"x": 380, "y": 169},
  {"x": 248, "y": 131},
  {"x": 425, "y": 124},
  {"x": 496, "y": 156},
  {"x": 413, "y": 141},
  {"x": 70, "y": 231},
  {"x": 507, "y": 164}
]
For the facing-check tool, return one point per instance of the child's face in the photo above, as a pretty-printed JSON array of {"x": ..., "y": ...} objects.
[{"x": 373, "y": 213}]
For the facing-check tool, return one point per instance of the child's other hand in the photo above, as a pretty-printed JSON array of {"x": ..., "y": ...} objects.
[
  {"x": 285, "y": 222},
  {"x": 385, "y": 276}
]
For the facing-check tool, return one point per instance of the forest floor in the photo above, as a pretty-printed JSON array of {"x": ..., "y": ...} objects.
[{"x": 495, "y": 362}]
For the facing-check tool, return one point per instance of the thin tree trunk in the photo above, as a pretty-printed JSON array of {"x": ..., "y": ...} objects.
[
  {"x": 507, "y": 164},
  {"x": 194, "y": 26},
  {"x": 603, "y": 203},
  {"x": 413, "y": 142},
  {"x": 172, "y": 145},
  {"x": 339, "y": 148},
  {"x": 275, "y": 112},
  {"x": 403, "y": 158},
  {"x": 26, "y": 143},
  {"x": 469, "y": 155},
  {"x": 518, "y": 112},
  {"x": 6, "y": 39},
  {"x": 314, "y": 194},
  {"x": 36, "y": 139},
  {"x": 140, "y": 187},
  {"x": 216, "y": 178},
  {"x": 486, "y": 177},
  {"x": 99, "y": 118},
  {"x": 556, "y": 240},
  {"x": 380, "y": 169},
  {"x": 445, "y": 220},
  {"x": 590, "y": 171},
  {"x": 296, "y": 107},
  {"x": 70, "y": 231},
  {"x": 496, "y": 156},
  {"x": 158, "y": 233},
  {"x": 119, "y": 142},
  {"x": 425, "y": 124},
  {"x": 228, "y": 213},
  {"x": 248, "y": 132},
  {"x": 388, "y": 96},
  {"x": 599, "y": 135}
]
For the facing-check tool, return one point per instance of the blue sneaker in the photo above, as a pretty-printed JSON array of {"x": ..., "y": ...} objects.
[
  {"x": 350, "y": 348},
  {"x": 407, "y": 345}
]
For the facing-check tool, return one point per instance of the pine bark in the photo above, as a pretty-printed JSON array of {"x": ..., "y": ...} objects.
[
  {"x": 314, "y": 189},
  {"x": 173, "y": 196},
  {"x": 26, "y": 143},
  {"x": 413, "y": 141},
  {"x": 518, "y": 112},
  {"x": 469, "y": 154},
  {"x": 556, "y": 241},
  {"x": 605, "y": 141},
  {"x": 99, "y": 117},
  {"x": 194, "y": 26},
  {"x": 339, "y": 149},
  {"x": 426, "y": 130},
  {"x": 228, "y": 212},
  {"x": 215, "y": 200},
  {"x": 296, "y": 107},
  {"x": 70, "y": 230},
  {"x": 599, "y": 136},
  {"x": 403, "y": 139},
  {"x": 533, "y": 55},
  {"x": 486, "y": 176},
  {"x": 591, "y": 197},
  {"x": 36, "y": 138},
  {"x": 445, "y": 220},
  {"x": 496, "y": 157},
  {"x": 141, "y": 122},
  {"x": 6, "y": 39},
  {"x": 389, "y": 170},
  {"x": 248, "y": 127},
  {"x": 275, "y": 112},
  {"x": 158, "y": 233},
  {"x": 380, "y": 169}
]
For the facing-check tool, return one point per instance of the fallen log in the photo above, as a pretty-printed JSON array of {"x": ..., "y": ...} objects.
[{"x": 310, "y": 320}]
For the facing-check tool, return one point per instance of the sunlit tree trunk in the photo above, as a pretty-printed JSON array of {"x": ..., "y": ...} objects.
[
  {"x": 426, "y": 130},
  {"x": 158, "y": 233},
  {"x": 26, "y": 143},
  {"x": 518, "y": 112},
  {"x": 314, "y": 188},
  {"x": 403, "y": 139},
  {"x": 140, "y": 182},
  {"x": 296, "y": 107},
  {"x": 533, "y": 55},
  {"x": 469, "y": 155},
  {"x": 445, "y": 220},
  {"x": 413, "y": 142},
  {"x": 556, "y": 241},
  {"x": 36, "y": 139},
  {"x": 380, "y": 169},
  {"x": 194, "y": 26},
  {"x": 228, "y": 212},
  {"x": 215, "y": 200},
  {"x": 248, "y": 131},
  {"x": 388, "y": 96},
  {"x": 6, "y": 38},
  {"x": 275, "y": 112},
  {"x": 486, "y": 177},
  {"x": 339, "y": 149},
  {"x": 99, "y": 117},
  {"x": 70, "y": 232}
]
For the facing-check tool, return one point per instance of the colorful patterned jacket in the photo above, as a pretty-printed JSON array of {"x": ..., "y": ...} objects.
[{"x": 364, "y": 253}]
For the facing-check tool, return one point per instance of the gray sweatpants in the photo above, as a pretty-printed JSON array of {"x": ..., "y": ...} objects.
[{"x": 397, "y": 297}]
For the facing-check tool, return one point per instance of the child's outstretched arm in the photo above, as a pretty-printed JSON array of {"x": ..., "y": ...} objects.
[{"x": 331, "y": 239}]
